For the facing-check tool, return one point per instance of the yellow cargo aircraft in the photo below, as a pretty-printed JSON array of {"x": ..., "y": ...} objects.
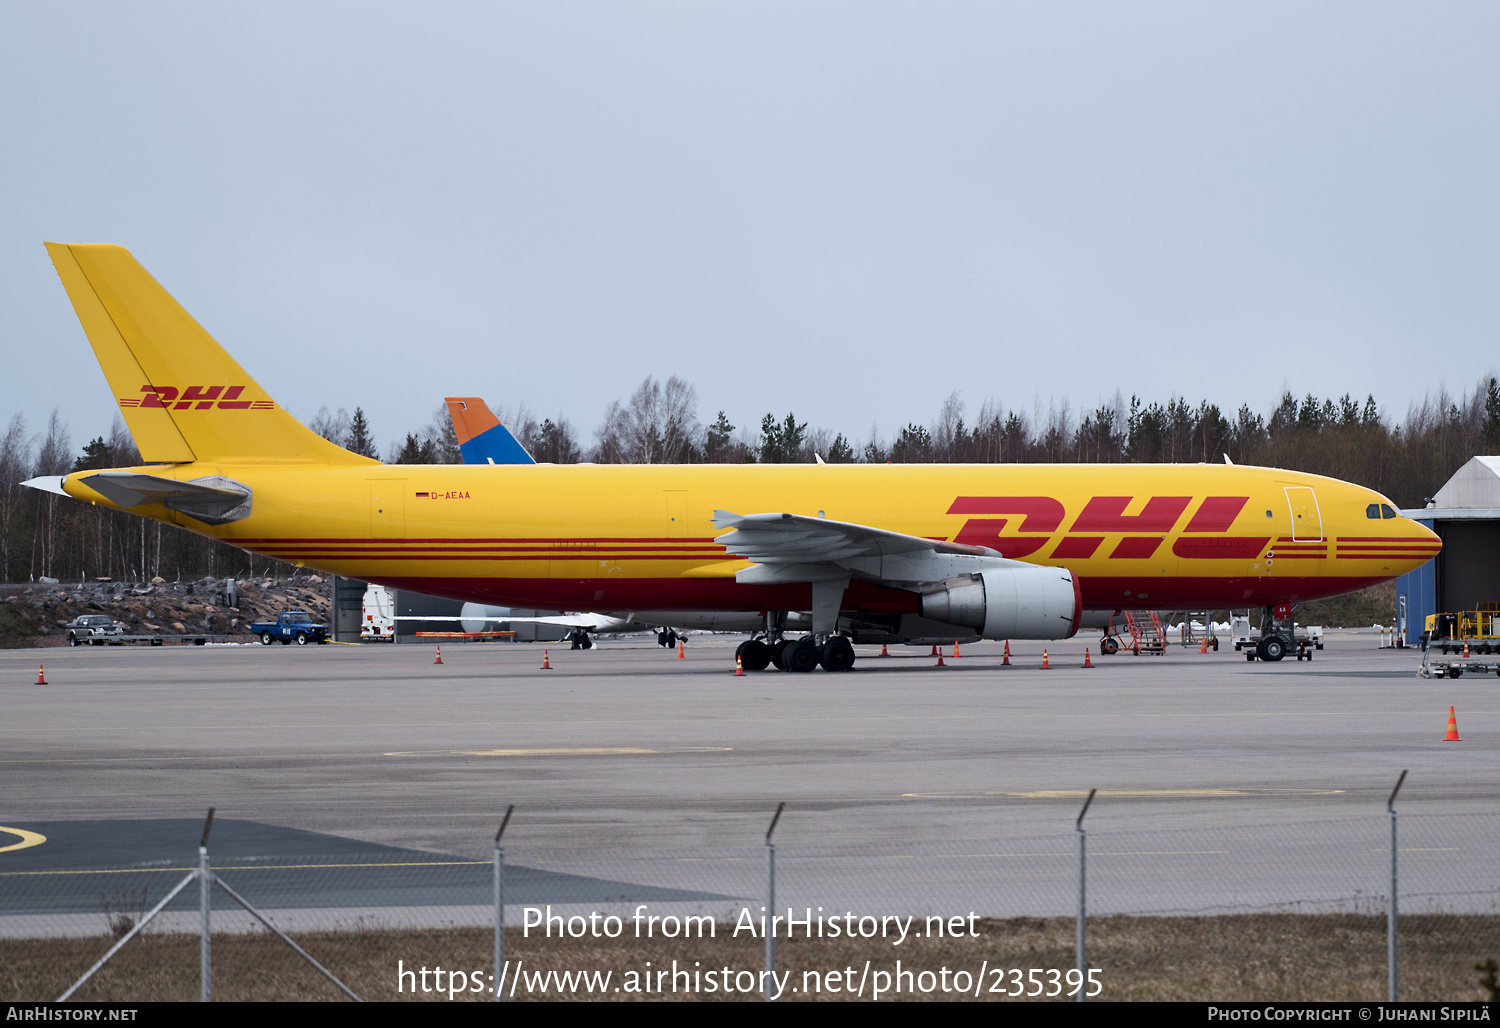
[{"x": 1014, "y": 551}]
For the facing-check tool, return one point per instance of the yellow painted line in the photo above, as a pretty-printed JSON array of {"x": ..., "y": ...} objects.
[
  {"x": 582, "y": 751},
  {"x": 28, "y": 839}
]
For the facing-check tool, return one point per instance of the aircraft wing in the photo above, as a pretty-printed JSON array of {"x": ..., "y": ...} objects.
[
  {"x": 792, "y": 548},
  {"x": 788, "y": 538},
  {"x": 795, "y": 548}
]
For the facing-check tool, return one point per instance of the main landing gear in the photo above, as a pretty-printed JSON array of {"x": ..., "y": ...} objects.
[
  {"x": 666, "y": 637},
  {"x": 836, "y": 653},
  {"x": 580, "y": 639}
]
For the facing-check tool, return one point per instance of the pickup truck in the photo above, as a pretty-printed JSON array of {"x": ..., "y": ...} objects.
[
  {"x": 93, "y": 630},
  {"x": 291, "y": 626}
]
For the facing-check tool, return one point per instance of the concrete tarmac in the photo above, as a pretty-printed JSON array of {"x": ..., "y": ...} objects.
[{"x": 622, "y": 755}]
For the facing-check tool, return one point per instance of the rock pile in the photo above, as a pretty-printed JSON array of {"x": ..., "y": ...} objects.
[{"x": 34, "y": 615}]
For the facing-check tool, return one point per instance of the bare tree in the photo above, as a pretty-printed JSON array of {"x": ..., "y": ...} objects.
[
  {"x": 53, "y": 458},
  {"x": 333, "y": 427},
  {"x": 15, "y": 461},
  {"x": 658, "y": 425}
]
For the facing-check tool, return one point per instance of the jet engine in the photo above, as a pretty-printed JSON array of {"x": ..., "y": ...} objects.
[{"x": 1010, "y": 603}]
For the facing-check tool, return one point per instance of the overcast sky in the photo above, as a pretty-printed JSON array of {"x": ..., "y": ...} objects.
[{"x": 844, "y": 210}]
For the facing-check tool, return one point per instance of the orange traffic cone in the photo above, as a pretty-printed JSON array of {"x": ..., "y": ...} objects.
[
  {"x": 739, "y": 667},
  {"x": 1452, "y": 735},
  {"x": 884, "y": 650},
  {"x": 680, "y": 654},
  {"x": 1204, "y": 647},
  {"x": 1006, "y": 661},
  {"x": 41, "y": 679},
  {"x": 439, "y": 658},
  {"x": 934, "y": 652},
  {"x": 955, "y": 649},
  {"x": 940, "y": 658},
  {"x": 1046, "y": 664},
  {"x": 1466, "y": 649},
  {"x": 1086, "y": 661},
  {"x": 546, "y": 661}
]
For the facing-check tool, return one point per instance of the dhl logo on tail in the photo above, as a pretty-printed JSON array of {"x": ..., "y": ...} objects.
[{"x": 194, "y": 398}]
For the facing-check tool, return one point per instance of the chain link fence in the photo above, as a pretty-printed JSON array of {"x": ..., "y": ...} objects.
[{"x": 1250, "y": 910}]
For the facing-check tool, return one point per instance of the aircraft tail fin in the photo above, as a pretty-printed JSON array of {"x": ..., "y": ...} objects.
[
  {"x": 182, "y": 396},
  {"x": 481, "y": 437}
]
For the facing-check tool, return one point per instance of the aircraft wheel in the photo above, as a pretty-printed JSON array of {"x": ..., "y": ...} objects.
[
  {"x": 1108, "y": 645},
  {"x": 801, "y": 656},
  {"x": 757, "y": 655},
  {"x": 753, "y": 655},
  {"x": 1216, "y": 646},
  {"x": 1271, "y": 648},
  {"x": 838, "y": 654},
  {"x": 778, "y": 653}
]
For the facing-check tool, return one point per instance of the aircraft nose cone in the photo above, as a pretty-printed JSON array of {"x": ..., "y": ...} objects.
[{"x": 1420, "y": 543}]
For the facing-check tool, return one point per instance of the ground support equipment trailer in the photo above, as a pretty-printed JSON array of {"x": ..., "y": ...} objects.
[{"x": 1477, "y": 631}]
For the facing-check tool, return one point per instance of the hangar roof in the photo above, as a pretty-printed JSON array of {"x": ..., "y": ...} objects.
[
  {"x": 1476, "y": 484},
  {"x": 1473, "y": 493}
]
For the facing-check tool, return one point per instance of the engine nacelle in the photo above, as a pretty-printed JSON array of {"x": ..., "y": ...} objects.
[{"x": 1010, "y": 603}]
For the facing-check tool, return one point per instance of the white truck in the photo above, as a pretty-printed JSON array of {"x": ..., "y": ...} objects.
[{"x": 378, "y": 618}]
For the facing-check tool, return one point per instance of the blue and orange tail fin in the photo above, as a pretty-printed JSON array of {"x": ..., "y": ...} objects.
[{"x": 481, "y": 437}]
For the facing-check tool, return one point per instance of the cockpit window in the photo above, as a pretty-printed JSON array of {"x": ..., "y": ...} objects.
[
  {"x": 1373, "y": 512},
  {"x": 1386, "y": 512}
]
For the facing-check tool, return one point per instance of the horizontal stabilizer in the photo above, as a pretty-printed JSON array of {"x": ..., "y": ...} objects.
[{"x": 214, "y": 500}]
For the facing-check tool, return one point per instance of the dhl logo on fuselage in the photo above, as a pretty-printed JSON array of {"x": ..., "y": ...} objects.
[
  {"x": 1203, "y": 538},
  {"x": 194, "y": 398},
  {"x": 1042, "y": 516}
]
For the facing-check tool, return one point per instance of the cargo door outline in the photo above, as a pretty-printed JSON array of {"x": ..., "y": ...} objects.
[
  {"x": 1307, "y": 519},
  {"x": 387, "y": 508}
]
